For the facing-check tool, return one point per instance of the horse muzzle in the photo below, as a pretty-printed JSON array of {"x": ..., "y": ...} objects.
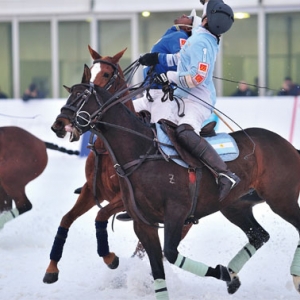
[{"x": 59, "y": 128}]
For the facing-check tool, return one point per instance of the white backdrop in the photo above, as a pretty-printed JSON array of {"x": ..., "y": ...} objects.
[{"x": 278, "y": 114}]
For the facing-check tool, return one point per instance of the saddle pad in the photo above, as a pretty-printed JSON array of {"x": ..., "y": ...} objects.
[{"x": 223, "y": 143}]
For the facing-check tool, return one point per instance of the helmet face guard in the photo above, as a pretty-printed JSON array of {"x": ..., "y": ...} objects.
[
  {"x": 220, "y": 17},
  {"x": 196, "y": 20}
]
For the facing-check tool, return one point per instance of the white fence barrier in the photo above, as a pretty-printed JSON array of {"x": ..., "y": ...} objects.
[{"x": 278, "y": 114}]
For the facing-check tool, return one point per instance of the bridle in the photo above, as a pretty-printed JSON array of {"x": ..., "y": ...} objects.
[
  {"x": 114, "y": 76},
  {"x": 83, "y": 118}
]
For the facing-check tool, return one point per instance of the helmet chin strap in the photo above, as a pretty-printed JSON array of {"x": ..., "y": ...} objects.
[
  {"x": 185, "y": 25},
  {"x": 204, "y": 9}
]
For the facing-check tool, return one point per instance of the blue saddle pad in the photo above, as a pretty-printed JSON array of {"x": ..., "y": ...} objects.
[{"x": 223, "y": 143}]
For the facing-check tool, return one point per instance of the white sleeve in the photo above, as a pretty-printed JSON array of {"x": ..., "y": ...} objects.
[{"x": 173, "y": 76}]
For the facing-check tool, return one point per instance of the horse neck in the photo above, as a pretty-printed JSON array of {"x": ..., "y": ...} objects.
[{"x": 126, "y": 145}]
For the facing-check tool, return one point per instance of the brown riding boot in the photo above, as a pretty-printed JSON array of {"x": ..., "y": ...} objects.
[{"x": 201, "y": 149}]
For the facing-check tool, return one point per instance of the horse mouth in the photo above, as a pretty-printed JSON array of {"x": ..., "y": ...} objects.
[{"x": 74, "y": 133}]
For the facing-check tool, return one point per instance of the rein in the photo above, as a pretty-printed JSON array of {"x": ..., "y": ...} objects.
[{"x": 121, "y": 173}]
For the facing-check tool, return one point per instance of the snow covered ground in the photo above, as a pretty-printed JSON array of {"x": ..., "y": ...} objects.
[{"x": 25, "y": 244}]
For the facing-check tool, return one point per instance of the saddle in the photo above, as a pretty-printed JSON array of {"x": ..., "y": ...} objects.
[{"x": 169, "y": 128}]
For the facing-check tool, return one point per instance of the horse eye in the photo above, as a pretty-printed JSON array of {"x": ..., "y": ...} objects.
[{"x": 106, "y": 75}]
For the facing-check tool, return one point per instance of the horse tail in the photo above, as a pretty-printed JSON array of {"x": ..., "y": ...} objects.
[{"x": 61, "y": 149}]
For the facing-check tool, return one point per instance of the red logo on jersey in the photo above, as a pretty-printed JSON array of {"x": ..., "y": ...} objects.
[
  {"x": 199, "y": 78},
  {"x": 182, "y": 42},
  {"x": 203, "y": 67}
]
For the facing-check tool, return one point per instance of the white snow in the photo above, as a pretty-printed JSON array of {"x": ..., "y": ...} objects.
[{"x": 25, "y": 244}]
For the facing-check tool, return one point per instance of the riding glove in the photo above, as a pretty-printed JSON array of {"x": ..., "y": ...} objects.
[
  {"x": 167, "y": 89},
  {"x": 149, "y": 59}
]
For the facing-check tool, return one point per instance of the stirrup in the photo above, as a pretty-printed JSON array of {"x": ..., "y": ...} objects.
[
  {"x": 124, "y": 217},
  {"x": 233, "y": 181},
  {"x": 78, "y": 190}
]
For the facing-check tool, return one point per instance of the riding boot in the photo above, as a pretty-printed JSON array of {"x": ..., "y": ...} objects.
[{"x": 201, "y": 149}]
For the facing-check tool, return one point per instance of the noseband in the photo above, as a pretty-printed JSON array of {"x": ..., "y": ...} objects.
[
  {"x": 80, "y": 118},
  {"x": 83, "y": 118}
]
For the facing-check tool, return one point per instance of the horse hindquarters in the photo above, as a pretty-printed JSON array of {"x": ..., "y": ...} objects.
[{"x": 24, "y": 158}]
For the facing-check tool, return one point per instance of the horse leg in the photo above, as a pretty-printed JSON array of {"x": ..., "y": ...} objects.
[
  {"x": 140, "y": 250},
  {"x": 84, "y": 202},
  {"x": 17, "y": 193},
  {"x": 240, "y": 214},
  {"x": 148, "y": 235},
  {"x": 5, "y": 200},
  {"x": 115, "y": 206},
  {"x": 290, "y": 211},
  {"x": 6, "y": 211},
  {"x": 173, "y": 233}
]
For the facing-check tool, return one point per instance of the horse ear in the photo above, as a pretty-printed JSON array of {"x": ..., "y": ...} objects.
[
  {"x": 86, "y": 77},
  {"x": 94, "y": 54},
  {"x": 118, "y": 56},
  {"x": 67, "y": 88}
]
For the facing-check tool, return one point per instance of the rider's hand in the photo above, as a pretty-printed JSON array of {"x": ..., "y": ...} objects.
[
  {"x": 162, "y": 79},
  {"x": 166, "y": 86},
  {"x": 149, "y": 59}
]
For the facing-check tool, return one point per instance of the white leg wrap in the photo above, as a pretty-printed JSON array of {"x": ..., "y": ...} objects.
[
  {"x": 192, "y": 266},
  {"x": 7, "y": 216},
  {"x": 295, "y": 267},
  {"x": 241, "y": 258},
  {"x": 161, "y": 292}
]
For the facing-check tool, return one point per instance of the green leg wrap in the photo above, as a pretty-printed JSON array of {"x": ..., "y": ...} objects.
[
  {"x": 192, "y": 266},
  {"x": 241, "y": 258},
  {"x": 7, "y": 216},
  {"x": 161, "y": 292},
  {"x": 295, "y": 267}
]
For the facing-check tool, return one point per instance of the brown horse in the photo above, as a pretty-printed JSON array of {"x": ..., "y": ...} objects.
[
  {"x": 102, "y": 182},
  {"x": 157, "y": 191},
  {"x": 23, "y": 157}
]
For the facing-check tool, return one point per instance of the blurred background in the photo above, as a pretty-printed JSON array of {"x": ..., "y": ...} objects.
[{"x": 45, "y": 42}]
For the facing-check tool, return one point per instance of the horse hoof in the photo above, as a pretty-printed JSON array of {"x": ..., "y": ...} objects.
[
  {"x": 224, "y": 273},
  {"x": 234, "y": 284},
  {"x": 50, "y": 277},
  {"x": 296, "y": 280},
  {"x": 114, "y": 264}
]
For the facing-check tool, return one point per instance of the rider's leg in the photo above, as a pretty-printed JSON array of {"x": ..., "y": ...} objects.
[{"x": 200, "y": 148}]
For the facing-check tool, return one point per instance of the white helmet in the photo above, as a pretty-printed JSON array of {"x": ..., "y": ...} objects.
[{"x": 196, "y": 20}]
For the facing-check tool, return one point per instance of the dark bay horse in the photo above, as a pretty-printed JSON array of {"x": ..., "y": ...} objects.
[
  {"x": 157, "y": 191},
  {"x": 102, "y": 182},
  {"x": 23, "y": 157}
]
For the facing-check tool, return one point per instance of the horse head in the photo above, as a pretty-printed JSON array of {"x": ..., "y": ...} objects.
[
  {"x": 106, "y": 73},
  {"x": 84, "y": 101}
]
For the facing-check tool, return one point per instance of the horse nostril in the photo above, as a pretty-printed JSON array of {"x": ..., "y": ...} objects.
[{"x": 57, "y": 126}]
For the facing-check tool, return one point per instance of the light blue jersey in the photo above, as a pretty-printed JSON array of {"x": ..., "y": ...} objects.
[
  {"x": 196, "y": 62},
  {"x": 194, "y": 77}
]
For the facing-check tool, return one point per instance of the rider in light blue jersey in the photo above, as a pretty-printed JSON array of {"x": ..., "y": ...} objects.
[{"x": 194, "y": 80}]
